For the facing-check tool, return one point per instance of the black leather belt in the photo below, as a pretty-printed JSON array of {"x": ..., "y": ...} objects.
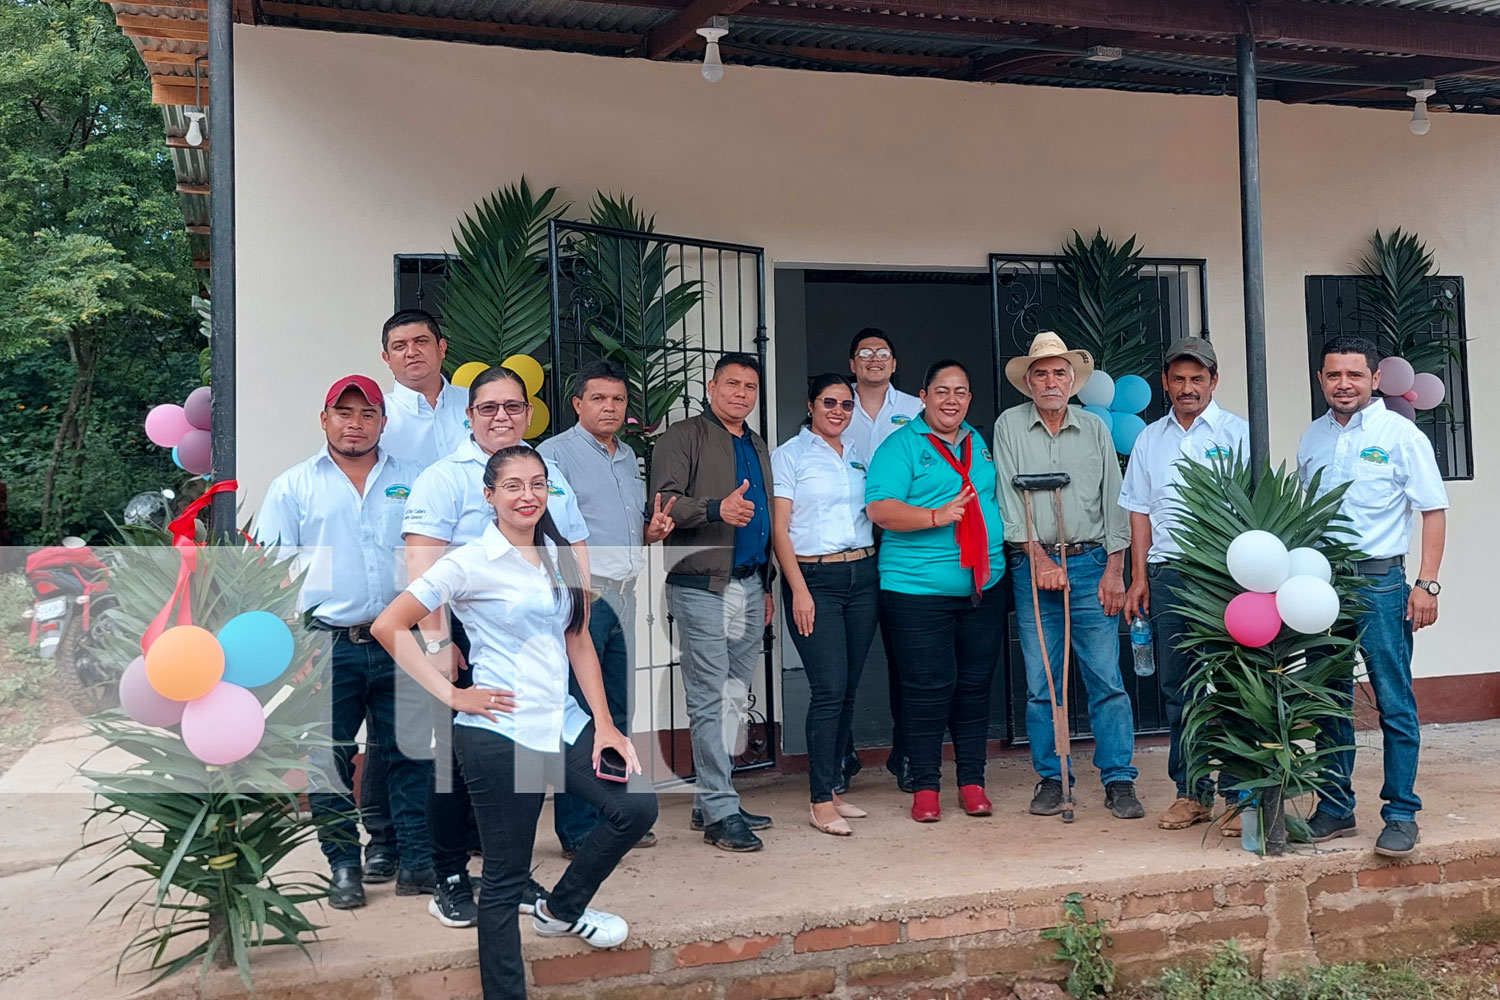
[
  {"x": 1073, "y": 548},
  {"x": 357, "y": 634},
  {"x": 1378, "y": 567},
  {"x": 604, "y": 585},
  {"x": 744, "y": 572}
]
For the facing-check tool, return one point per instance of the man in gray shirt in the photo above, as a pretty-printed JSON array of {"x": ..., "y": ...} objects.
[{"x": 612, "y": 498}]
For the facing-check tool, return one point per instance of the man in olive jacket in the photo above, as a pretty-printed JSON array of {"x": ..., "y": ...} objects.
[{"x": 719, "y": 571}]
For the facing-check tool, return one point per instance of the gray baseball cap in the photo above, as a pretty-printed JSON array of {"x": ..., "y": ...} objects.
[{"x": 1192, "y": 349}]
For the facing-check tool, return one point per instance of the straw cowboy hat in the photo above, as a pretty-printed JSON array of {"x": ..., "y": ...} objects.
[{"x": 1048, "y": 345}]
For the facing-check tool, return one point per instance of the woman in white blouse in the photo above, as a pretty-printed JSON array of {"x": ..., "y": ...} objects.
[
  {"x": 518, "y": 589},
  {"x": 825, "y": 547}
]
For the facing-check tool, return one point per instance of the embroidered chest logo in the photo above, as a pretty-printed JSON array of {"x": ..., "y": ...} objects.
[
  {"x": 927, "y": 460},
  {"x": 985, "y": 454},
  {"x": 857, "y": 465},
  {"x": 400, "y": 491},
  {"x": 899, "y": 419},
  {"x": 554, "y": 490},
  {"x": 1215, "y": 452},
  {"x": 1375, "y": 456}
]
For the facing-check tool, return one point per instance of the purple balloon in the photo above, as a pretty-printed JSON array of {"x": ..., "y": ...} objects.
[
  {"x": 140, "y": 700},
  {"x": 167, "y": 424},
  {"x": 224, "y": 725},
  {"x": 1398, "y": 404},
  {"x": 1429, "y": 389},
  {"x": 1395, "y": 376},
  {"x": 196, "y": 452},
  {"x": 198, "y": 407}
]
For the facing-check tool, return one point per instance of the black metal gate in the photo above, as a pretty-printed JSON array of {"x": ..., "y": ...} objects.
[{"x": 1024, "y": 294}]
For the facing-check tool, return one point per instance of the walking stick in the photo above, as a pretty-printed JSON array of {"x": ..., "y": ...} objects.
[{"x": 1061, "y": 737}]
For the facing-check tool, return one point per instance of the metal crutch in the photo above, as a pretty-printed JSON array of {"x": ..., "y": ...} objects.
[{"x": 1061, "y": 737}]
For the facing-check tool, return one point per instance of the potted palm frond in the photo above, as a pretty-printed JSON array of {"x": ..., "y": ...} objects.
[
  {"x": 1103, "y": 306},
  {"x": 1409, "y": 311},
  {"x": 1254, "y": 714},
  {"x": 202, "y": 847}
]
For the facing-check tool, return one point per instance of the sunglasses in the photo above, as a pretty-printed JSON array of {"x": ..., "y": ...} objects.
[
  {"x": 512, "y": 407},
  {"x": 829, "y": 402}
]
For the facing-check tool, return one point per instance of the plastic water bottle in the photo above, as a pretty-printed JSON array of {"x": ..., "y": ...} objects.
[
  {"x": 1141, "y": 648},
  {"x": 1250, "y": 829}
]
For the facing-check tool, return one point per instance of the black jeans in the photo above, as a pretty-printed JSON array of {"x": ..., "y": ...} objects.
[
  {"x": 1173, "y": 664},
  {"x": 450, "y": 815},
  {"x": 507, "y": 812},
  {"x": 947, "y": 649},
  {"x": 846, "y": 599},
  {"x": 375, "y": 800}
]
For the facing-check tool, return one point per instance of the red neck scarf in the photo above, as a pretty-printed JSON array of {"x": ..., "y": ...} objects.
[{"x": 973, "y": 537}]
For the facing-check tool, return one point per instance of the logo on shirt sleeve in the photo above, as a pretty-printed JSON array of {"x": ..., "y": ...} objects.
[
  {"x": 900, "y": 419},
  {"x": 1376, "y": 456},
  {"x": 554, "y": 490},
  {"x": 400, "y": 491}
]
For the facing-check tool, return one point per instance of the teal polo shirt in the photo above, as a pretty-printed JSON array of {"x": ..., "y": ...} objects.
[{"x": 908, "y": 468}]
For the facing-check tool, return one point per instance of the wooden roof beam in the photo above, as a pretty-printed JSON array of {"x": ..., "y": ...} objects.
[
  {"x": 851, "y": 57},
  {"x": 679, "y": 29},
  {"x": 991, "y": 68},
  {"x": 1397, "y": 74},
  {"x": 448, "y": 25}
]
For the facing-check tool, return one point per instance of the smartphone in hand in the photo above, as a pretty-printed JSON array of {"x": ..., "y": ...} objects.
[{"x": 612, "y": 766}]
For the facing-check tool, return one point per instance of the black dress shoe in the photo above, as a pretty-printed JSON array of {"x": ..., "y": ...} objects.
[
  {"x": 1121, "y": 801},
  {"x": 753, "y": 821},
  {"x": 1323, "y": 826},
  {"x": 346, "y": 890},
  {"x": 901, "y": 768},
  {"x": 416, "y": 882},
  {"x": 731, "y": 834},
  {"x": 1399, "y": 838},
  {"x": 380, "y": 867}
]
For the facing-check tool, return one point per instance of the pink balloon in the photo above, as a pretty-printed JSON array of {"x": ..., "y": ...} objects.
[
  {"x": 1399, "y": 404},
  {"x": 224, "y": 725},
  {"x": 1395, "y": 376},
  {"x": 1429, "y": 389},
  {"x": 1410, "y": 396},
  {"x": 1252, "y": 619},
  {"x": 198, "y": 407},
  {"x": 196, "y": 452},
  {"x": 167, "y": 424},
  {"x": 140, "y": 700}
]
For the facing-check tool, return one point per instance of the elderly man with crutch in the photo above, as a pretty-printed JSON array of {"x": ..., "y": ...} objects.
[{"x": 1066, "y": 538}]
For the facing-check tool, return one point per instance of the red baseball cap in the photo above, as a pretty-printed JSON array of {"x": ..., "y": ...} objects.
[{"x": 364, "y": 384}]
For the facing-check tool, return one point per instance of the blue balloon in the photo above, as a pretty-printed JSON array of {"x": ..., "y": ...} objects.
[
  {"x": 1127, "y": 428},
  {"x": 1103, "y": 414},
  {"x": 258, "y": 648},
  {"x": 1132, "y": 394},
  {"x": 175, "y": 460}
]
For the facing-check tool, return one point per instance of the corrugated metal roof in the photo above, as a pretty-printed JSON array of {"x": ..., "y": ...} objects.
[{"x": 1486, "y": 7}]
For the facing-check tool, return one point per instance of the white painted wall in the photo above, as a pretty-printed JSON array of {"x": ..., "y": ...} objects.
[{"x": 353, "y": 148}]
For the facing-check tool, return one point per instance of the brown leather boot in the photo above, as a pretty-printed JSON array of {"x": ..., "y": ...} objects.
[{"x": 1184, "y": 813}]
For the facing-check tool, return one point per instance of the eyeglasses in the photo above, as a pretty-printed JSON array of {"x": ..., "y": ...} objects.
[
  {"x": 515, "y": 487},
  {"x": 829, "y": 402},
  {"x": 872, "y": 353},
  {"x": 512, "y": 407},
  {"x": 943, "y": 392}
]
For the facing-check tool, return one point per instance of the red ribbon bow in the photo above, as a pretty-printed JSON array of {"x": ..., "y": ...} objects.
[{"x": 183, "y": 528}]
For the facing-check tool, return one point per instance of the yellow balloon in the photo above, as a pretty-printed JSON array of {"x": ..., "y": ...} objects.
[
  {"x": 467, "y": 373},
  {"x": 540, "y": 417},
  {"x": 530, "y": 371}
]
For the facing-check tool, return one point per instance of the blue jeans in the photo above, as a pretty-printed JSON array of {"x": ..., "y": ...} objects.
[
  {"x": 612, "y": 629},
  {"x": 365, "y": 685},
  {"x": 1385, "y": 640},
  {"x": 1174, "y": 664},
  {"x": 1096, "y": 648}
]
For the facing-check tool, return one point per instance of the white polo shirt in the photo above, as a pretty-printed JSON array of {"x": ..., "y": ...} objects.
[
  {"x": 1152, "y": 477},
  {"x": 867, "y": 433},
  {"x": 515, "y": 614},
  {"x": 417, "y": 431},
  {"x": 447, "y": 500},
  {"x": 349, "y": 543},
  {"x": 1390, "y": 467},
  {"x": 827, "y": 492}
]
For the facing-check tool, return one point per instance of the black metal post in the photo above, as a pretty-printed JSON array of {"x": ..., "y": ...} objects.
[
  {"x": 1252, "y": 255},
  {"x": 221, "y": 255}
]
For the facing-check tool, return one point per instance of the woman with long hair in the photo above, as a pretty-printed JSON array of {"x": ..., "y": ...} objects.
[
  {"x": 931, "y": 487},
  {"x": 518, "y": 589},
  {"x": 825, "y": 546}
]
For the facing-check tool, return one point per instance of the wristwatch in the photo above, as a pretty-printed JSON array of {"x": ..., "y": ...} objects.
[
  {"x": 1431, "y": 586},
  {"x": 434, "y": 646}
]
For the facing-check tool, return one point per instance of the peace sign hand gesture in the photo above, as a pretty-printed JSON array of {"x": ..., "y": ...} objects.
[
  {"x": 661, "y": 523},
  {"x": 953, "y": 510}
]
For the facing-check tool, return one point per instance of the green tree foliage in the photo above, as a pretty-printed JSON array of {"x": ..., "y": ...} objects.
[{"x": 95, "y": 277}]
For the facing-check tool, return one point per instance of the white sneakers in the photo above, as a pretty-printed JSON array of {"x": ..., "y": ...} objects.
[{"x": 597, "y": 928}]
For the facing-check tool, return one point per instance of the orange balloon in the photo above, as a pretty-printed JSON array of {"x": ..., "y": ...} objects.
[{"x": 184, "y": 663}]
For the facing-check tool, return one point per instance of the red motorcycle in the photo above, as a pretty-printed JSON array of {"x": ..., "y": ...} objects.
[{"x": 68, "y": 624}]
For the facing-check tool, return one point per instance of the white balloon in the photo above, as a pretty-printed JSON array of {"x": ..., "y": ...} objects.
[
  {"x": 1307, "y": 604},
  {"x": 1309, "y": 562},
  {"x": 1258, "y": 561},
  {"x": 1099, "y": 390}
]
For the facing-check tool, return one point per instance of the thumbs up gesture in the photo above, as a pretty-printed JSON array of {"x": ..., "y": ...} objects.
[{"x": 735, "y": 509}]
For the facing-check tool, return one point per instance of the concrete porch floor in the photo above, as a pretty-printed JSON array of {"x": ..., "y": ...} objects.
[{"x": 891, "y": 885}]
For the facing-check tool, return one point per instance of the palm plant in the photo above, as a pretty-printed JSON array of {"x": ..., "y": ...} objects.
[
  {"x": 1404, "y": 304},
  {"x": 638, "y": 297},
  {"x": 1103, "y": 306},
  {"x": 202, "y": 845},
  {"x": 497, "y": 298},
  {"x": 1252, "y": 714}
]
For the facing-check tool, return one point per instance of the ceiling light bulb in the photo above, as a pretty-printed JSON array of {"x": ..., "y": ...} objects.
[
  {"x": 713, "y": 66},
  {"x": 1419, "y": 122},
  {"x": 195, "y": 128}
]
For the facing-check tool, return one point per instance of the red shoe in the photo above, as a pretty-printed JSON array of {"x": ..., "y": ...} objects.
[
  {"x": 925, "y": 807},
  {"x": 974, "y": 801}
]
